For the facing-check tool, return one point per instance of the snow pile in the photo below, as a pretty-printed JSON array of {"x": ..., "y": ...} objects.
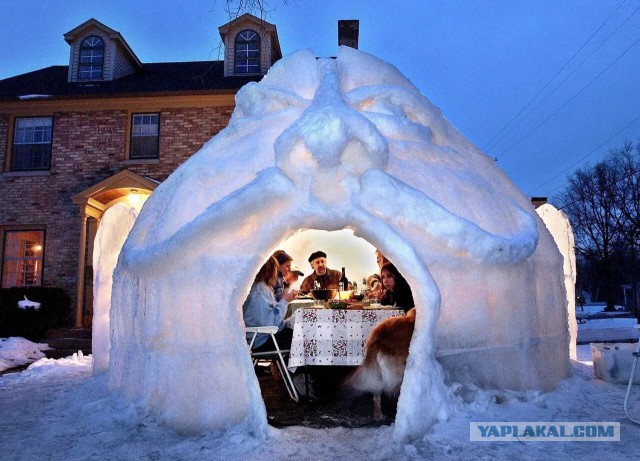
[
  {"x": 115, "y": 225},
  {"x": 15, "y": 352},
  {"x": 331, "y": 144},
  {"x": 76, "y": 360},
  {"x": 26, "y": 303},
  {"x": 560, "y": 228}
]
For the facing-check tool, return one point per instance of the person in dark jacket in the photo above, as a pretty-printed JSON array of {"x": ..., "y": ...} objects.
[
  {"x": 397, "y": 290},
  {"x": 326, "y": 278}
]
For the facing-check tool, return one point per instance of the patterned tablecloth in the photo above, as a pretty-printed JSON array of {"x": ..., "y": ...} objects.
[{"x": 333, "y": 336}]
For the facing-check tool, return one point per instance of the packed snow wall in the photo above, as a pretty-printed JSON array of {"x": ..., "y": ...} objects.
[
  {"x": 559, "y": 226},
  {"x": 332, "y": 144},
  {"x": 113, "y": 230}
]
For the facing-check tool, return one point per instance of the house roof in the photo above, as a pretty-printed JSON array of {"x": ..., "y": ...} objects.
[{"x": 155, "y": 78}]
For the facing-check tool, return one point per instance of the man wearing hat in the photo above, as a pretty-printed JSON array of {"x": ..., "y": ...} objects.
[{"x": 327, "y": 278}]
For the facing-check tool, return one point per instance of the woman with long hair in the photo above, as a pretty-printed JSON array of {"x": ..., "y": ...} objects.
[
  {"x": 261, "y": 309},
  {"x": 397, "y": 290}
]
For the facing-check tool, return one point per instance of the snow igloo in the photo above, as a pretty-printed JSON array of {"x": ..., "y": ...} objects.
[{"x": 330, "y": 144}]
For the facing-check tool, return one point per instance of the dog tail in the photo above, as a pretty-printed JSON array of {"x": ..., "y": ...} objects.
[{"x": 368, "y": 376}]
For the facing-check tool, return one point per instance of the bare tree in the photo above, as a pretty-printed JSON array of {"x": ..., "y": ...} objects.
[
  {"x": 259, "y": 8},
  {"x": 589, "y": 201}
]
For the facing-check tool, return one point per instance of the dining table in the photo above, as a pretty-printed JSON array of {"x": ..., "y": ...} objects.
[{"x": 333, "y": 336}]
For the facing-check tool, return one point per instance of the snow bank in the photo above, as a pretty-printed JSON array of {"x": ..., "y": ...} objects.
[
  {"x": 15, "y": 352},
  {"x": 331, "y": 144}
]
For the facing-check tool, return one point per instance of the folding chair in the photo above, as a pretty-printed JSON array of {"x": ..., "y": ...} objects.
[{"x": 276, "y": 355}]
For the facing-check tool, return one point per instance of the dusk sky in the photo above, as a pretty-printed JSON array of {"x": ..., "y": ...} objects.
[{"x": 569, "y": 68}]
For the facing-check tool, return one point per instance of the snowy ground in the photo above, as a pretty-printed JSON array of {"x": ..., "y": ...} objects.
[
  {"x": 613, "y": 328},
  {"x": 56, "y": 409},
  {"x": 16, "y": 352}
]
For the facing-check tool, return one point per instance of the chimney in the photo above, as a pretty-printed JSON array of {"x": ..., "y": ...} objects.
[{"x": 348, "y": 32}]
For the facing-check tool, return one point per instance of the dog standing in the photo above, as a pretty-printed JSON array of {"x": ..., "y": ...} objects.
[{"x": 385, "y": 359}]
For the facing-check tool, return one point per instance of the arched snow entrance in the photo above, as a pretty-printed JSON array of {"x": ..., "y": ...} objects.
[{"x": 332, "y": 144}]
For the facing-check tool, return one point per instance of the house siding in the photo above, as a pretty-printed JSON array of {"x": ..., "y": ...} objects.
[{"x": 122, "y": 64}]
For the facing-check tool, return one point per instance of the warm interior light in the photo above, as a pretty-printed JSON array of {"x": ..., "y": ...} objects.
[
  {"x": 136, "y": 200},
  {"x": 37, "y": 247}
]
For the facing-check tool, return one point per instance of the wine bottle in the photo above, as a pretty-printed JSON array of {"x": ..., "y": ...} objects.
[{"x": 344, "y": 283}]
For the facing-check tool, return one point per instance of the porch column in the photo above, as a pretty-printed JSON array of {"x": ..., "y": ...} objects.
[{"x": 81, "y": 264}]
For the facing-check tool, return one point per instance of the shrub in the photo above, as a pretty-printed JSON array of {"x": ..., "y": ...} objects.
[{"x": 30, "y": 323}]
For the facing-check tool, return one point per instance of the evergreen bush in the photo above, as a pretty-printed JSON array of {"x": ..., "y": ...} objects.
[{"x": 30, "y": 323}]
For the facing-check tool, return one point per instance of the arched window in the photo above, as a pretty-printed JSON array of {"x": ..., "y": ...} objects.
[
  {"x": 91, "y": 58},
  {"x": 247, "y": 53}
]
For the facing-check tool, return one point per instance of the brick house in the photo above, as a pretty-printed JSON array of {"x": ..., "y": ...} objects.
[{"x": 107, "y": 128}]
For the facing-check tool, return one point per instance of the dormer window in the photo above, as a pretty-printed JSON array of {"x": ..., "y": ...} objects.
[
  {"x": 247, "y": 59},
  {"x": 91, "y": 58}
]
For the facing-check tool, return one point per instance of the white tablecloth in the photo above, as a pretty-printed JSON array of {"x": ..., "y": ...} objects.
[{"x": 333, "y": 336}]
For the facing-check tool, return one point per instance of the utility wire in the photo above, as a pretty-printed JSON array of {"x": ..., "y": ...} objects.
[
  {"x": 585, "y": 156},
  {"x": 569, "y": 100},
  {"x": 552, "y": 78},
  {"x": 574, "y": 70}
]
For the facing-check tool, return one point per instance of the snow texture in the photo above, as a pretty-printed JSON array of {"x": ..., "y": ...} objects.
[
  {"x": 58, "y": 410},
  {"x": 560, "y": 229},
  {"x": 331, "y": 144},
  {"x": 16, "y": 352},
  {"x": 115, "y": 225}
]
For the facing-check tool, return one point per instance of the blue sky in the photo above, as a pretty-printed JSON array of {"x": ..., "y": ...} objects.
[{"x": 481, "y": 62}]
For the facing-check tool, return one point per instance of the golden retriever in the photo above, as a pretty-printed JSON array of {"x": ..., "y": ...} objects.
[{"x": 385, "y": 358}]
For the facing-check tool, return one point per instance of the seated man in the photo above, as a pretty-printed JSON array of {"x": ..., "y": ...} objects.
[{"x": 326, "y": 278}]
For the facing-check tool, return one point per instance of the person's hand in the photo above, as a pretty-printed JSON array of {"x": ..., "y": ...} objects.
[{"x": 288, "y": 296}]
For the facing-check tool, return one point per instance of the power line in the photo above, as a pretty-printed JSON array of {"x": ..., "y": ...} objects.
[
  {"x": 574, "y": 70},
  {"x": 587, "y": 155},
  {"x": 552, "y": 78},
  {"x": 569, "y": 100}
]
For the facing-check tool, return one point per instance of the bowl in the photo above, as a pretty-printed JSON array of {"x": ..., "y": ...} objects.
[
  {"x": 335, "y": 304},
  {"x": 324, "y": 295}
]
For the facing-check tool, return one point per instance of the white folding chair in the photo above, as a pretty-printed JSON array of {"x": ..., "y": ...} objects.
[{"x": 276, "y": 355}]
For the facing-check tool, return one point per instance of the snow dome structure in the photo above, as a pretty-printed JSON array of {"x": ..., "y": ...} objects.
[{"x": 331, "y": 144}]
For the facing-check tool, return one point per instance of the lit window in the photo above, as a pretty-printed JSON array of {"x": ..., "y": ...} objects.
[
  {"x": 91, "y": 58},
  {"x": 32, "y": 144},
  {"x": 145, "y": 136},
  {"x": 247, "y": 53},
  {"x": 22, "y": 258}
]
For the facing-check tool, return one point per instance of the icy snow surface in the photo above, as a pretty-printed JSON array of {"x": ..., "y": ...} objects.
[
  {"x": 331, "y": 144},
  {"x": 59, "y": 410},
  {"x": 15, "y": 352},
  {"x": 560, "y": 228},
  {"x": 115, "y": 225}
]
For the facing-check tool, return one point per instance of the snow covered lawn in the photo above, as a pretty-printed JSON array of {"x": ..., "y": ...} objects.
[
  {"x": 16, "y": 352},
  {"x": 56, "y": 409}
]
